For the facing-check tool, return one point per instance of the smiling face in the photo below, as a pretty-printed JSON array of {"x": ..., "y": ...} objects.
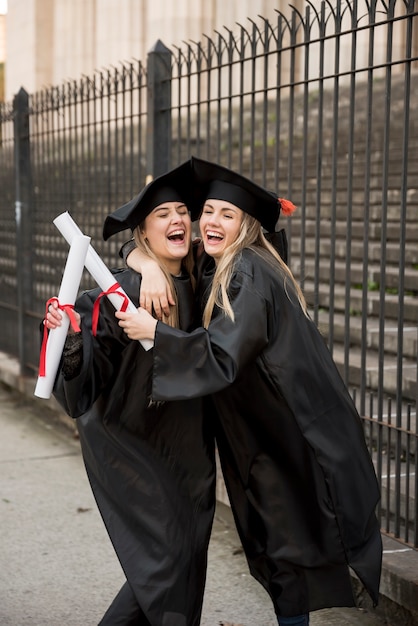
[
  {"x": 220, "y": 224},
  {"x": 168, "y": 231}
]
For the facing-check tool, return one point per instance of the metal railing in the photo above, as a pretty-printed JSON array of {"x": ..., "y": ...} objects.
[{"x": 316, "y": 105}]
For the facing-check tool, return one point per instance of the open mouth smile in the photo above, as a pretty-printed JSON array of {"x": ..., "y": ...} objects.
[
  {"x": 177, "y": 236},
  {"x": 213, "y": 237}
]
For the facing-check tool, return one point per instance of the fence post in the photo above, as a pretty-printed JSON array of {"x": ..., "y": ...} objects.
[
  {"x": 158, "y": 110},
  {"x": 23, "y": 225}
]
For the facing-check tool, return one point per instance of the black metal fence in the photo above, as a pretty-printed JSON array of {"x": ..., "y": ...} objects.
[{"x": 319, "y": 106}]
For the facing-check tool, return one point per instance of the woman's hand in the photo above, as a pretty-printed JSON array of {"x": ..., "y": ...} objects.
[
  {"x": 137, "y": 326},
  {"x": 155, "y": 294},
  {"x": 54, "y": 318}
]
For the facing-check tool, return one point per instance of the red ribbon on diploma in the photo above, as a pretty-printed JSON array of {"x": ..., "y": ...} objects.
[
  {"x": 69, "y": 309},
  {"x": 96, "y": 307}
]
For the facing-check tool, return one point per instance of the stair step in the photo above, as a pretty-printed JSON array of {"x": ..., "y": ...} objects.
[
  {"x": 338, "y": 206},
  {"x": 374, "y": 307},
  {"x": 373, "y": 253},
  {"x": 390, "y": 372},
  {"x": 410, "y": 276},
  {"x": 393, "y": 229},
  {"x": 391, "y": 331}
]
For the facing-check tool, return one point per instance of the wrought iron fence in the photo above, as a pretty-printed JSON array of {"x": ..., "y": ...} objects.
[{"x": 316, "y": 105}]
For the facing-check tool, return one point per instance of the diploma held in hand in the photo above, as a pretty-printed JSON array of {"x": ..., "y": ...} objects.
[
  {"x": 101, "y": 274},
  {"x": 66, "y": 297}
]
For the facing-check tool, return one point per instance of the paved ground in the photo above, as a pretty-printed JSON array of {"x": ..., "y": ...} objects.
[{"x": 57, "y": 567}]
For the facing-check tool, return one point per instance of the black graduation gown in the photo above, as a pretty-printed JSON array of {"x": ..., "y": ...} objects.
[
  {"x": 299, "y": 476},
  {"x": 150, "y": 465}
]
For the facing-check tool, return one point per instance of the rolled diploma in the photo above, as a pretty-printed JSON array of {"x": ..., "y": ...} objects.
[
  {"x": 67, "y": 295},
  {"x": 94, "y": 264}
]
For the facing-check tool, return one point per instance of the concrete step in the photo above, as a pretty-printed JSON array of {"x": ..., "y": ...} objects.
[
  {"x": 393, "y": 229},
  {"x": 391, "y": 371},
  {"x": 373, "y": 252},
  {"x": 355, "y": 302},
  {"x": 386, "y": 424},
  {"x": 337, "y": 205},
  {"x": 372, "y": 332},
  {"x": 350, "y": 177},
  {"x": 356, "y": 169},
  {"x": 339, "y": 271}
]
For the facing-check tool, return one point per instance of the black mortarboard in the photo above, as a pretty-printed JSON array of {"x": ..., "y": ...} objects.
[
  {"x": 174, "y": 186},
  {"x": 215, "y": 181}
]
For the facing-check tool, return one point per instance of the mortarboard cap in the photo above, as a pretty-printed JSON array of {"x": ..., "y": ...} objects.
[
  {"x": 174, "y": 186},
  {"x": 218, "y": 182}
]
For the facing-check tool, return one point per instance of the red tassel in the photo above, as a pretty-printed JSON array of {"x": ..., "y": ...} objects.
[
  {"x": 287, "y": 207},
  {"x": 95, "y": 316}
]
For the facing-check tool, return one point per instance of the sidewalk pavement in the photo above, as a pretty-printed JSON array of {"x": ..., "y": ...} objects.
[{"x": 57, "y": 565}]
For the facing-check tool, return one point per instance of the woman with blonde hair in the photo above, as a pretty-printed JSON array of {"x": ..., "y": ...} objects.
[{"x": 300, "y": 480}]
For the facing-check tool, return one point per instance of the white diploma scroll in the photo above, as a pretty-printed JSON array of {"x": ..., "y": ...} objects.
[
  {"x": 67, "y": 295},
  {"x": 94, "y": 264}
]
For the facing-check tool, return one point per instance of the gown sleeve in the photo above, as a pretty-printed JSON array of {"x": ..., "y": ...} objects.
[
  {"x": 126, "y": 249},
  {"x": 206, "y": 361}
]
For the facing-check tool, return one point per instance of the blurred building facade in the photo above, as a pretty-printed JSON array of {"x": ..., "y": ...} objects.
[
  {"x": 50, "y": 41},
  {"x": 2, "y": 38},
  {"x": 2, "y": 54}
]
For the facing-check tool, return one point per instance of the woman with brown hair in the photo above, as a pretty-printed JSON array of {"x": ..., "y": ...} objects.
[{"x": 150, "y": 464}]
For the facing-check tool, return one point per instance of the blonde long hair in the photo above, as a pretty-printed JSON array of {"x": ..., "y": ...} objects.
[
  {"x": 187, "y": 264},
  {"x": 250, "y": 236}
]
